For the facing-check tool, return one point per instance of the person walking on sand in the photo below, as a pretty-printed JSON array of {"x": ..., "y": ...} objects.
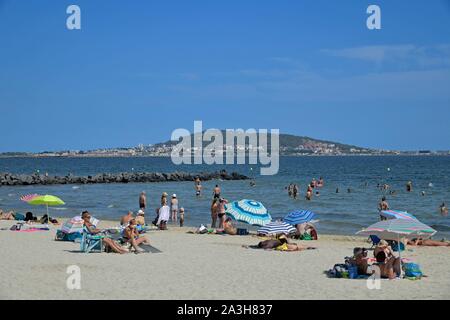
[
  {"x": 142, "y": 201},
  {"x": 174, "y": 208},
  {"x": 443, "y": 209},
  {"x": 214, "y": 211}
]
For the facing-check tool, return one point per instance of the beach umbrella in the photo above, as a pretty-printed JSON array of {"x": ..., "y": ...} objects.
[
  {"x": 299, "y": 217},
  {"x": 248, "y": 211},
  {"x": 397, "y": 229},
  {"x": 394, "y": 214},
  {"x": 47, "y": 200},
  {"x": 29, "y": 197},
  {"x": 276, "y": 228}
]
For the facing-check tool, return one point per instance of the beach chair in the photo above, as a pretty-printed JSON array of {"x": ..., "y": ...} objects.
[
  {"x": 375, "y": 240},
  {"x": 91, "y": 242}
]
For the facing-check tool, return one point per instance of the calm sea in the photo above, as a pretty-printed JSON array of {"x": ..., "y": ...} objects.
[{"x": 339, "y": 213}]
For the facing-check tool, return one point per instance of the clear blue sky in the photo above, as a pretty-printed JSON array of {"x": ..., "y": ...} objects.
[{"x": 139, "y": 69}]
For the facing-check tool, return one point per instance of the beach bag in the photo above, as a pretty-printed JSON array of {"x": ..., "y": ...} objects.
[
  {"x": 340, "y": 271},
  {"x": 242, "y": 232},
  {"x": 412, "y": 270},
  {"x": 306, "y": 237}
]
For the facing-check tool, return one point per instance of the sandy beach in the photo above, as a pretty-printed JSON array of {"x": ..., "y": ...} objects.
[{"x": 193, "y": 266}]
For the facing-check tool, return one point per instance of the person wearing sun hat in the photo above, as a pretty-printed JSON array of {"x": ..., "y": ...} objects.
[
  {"x": 174, "y": 208},
  {"x": 164, "y": 198},
  {"x": 140, "y": 218}
]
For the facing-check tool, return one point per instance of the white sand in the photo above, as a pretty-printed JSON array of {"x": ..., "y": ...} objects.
[{"x": 201, "y": 267}]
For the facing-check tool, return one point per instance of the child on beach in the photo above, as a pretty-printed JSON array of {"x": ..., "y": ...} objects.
[{"x": 181, "y": 216}]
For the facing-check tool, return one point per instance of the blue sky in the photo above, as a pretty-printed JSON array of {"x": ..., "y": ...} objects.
[{"x": 139, "y": 69}]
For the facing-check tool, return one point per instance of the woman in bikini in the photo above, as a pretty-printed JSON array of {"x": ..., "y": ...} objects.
[
  {"x": 221, "y": 215},
  {"x": 109, "y": 243},
  {"x": 131, "y": 235}
]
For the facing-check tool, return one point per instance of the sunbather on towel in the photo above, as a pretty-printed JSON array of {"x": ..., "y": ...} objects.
[
  {"x": 6, "y": 215},
  {"x": 280, "y": 244},
  {"x": 93, "y": 230},
  {"x": 428, "y": 243},
  {"x": 131, "y": 235}
]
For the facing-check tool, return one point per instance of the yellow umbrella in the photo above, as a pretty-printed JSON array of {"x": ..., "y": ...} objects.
[{"x": 47, "y": 200}]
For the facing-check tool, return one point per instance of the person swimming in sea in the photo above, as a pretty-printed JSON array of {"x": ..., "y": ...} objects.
[{"x": 443, "y": 209}]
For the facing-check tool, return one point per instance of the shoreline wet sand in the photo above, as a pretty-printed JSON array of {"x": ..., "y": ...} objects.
[{"x": 193, "y": 266}]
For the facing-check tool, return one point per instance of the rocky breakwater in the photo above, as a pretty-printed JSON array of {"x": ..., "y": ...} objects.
[{"x": 8, "y": 179}]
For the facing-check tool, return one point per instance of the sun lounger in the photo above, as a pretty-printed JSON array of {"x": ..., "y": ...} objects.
[{"x": 91, "y": 242}]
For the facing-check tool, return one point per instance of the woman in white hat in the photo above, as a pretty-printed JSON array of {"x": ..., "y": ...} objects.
[{"x": 174, "y": 207}]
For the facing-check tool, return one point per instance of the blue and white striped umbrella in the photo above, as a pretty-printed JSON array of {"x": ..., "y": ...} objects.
[
  {"x": 248, "y": 211},
  {"x": 277, "y": 227},
  {"x": 299, "y": 217},
  {"x": 394, "y": 214}
]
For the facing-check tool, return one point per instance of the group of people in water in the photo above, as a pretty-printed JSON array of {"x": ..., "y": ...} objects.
[{"x": 293, "y": 190}]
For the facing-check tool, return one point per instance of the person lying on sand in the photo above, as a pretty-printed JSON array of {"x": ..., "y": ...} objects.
[
  {"x": 281, "y": 244},
  {"x": 428, "y": 243},
  {"x": 6, "y": 215},
  {"x": 109, "y": 243},
  {"x": 131, "y": 235}
]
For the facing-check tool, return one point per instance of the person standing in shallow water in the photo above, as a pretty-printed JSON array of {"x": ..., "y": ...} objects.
[
  {"x": 409, "y": 186},
  {"x": 444, "y": 210},
  {"x": 142, "y": 201},
  {"x": 295, "y": 191}
]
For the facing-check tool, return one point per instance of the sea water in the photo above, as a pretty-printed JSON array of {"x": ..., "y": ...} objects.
[{"x": 339, "y": 213}]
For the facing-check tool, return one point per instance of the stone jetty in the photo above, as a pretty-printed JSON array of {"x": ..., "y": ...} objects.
[{"x": 8, "y": 179}]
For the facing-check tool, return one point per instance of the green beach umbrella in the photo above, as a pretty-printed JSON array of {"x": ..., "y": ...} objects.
[{"x": 47, "y": 200}]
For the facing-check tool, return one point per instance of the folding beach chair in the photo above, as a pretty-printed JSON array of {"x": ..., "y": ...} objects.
[
  {"x": 91, "y": 242},
  {"x": 375, "y": 240}
]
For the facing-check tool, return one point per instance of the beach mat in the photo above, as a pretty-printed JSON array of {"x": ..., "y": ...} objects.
[{"x": 149, "y": 248}]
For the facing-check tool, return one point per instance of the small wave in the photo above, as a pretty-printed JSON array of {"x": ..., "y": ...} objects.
[
  {"x": 75, "y": 187},
  {"x": 111, "y": 206},
  {"x": 57, "y": 208},
  {"x": 11, "y": 194}
]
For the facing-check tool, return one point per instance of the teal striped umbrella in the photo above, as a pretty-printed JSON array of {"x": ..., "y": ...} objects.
[{"x": 248, "y": 211}]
